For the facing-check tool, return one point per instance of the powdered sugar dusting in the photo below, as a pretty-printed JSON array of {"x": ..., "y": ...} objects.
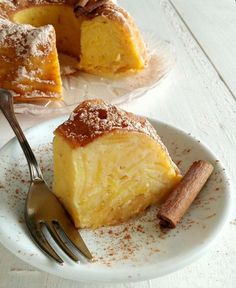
[
  {"x": 8, "y": 3},
  {"x": 34, "y": 93},
  {"x": 30, "y": 41},
  {"x": 26, "y": 46},
  {"x": 94, "y": 118},
  {"x": 22, "y": 73}
]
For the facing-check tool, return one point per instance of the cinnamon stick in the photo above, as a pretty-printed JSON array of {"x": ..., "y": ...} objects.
[
  {"x": 180, "y": 199},
  {"x": 84, "y": 7}
]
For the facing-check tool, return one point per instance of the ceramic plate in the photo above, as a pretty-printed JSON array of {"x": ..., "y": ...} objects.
[{"x": 135, "y": 251}]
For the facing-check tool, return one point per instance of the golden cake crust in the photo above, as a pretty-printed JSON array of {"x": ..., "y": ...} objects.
[{"x": 23, "y": 48}]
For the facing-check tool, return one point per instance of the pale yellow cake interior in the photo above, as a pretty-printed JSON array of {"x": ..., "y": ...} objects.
[
  {"x": 103, "y": 46},
  {"x": 108, "y": 52},
  {"x": 112, "y": 178}
]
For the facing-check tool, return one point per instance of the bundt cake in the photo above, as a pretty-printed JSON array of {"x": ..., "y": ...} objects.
[
  {"x": 109, "y": 165},
  {"x": 101, "y": 35}
]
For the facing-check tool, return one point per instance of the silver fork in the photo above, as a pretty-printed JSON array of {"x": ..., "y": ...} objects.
[{"x": 42, "y": 208}]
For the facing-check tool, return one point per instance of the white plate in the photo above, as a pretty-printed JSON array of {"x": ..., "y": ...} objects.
[
  {"x": 83, "y": 86},
  {"x": 134, "y": 251}
]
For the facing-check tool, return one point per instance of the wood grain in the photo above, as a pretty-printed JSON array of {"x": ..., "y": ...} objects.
[{"x": 213, "y": 25}]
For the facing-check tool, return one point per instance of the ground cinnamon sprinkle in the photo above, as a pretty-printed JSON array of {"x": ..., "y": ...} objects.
[
  {"x": 210, "y": 216},
  {"x": 127, "y": 237},
  {"x": 21, "y": 220},
  {"x": 178, "y": 162},
  {"x": 156, "y": 250},
  {"x": 125, "y": 229},
  {"x": 233, "y": 222},
  {"x": 124, "y": 243},
  {"x": 140, "y": 229},
  {"x": 125, "y": 246}
]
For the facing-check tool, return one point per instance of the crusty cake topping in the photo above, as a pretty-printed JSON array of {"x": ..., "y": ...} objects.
[{"x": 94, "y": 118}]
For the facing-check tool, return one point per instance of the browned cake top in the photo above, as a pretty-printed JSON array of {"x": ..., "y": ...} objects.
[
  {"x": 9, "y": 7},
  {"x": 111, "y": 11},
  {"x": 94, "y": 118},
  {"x": 107, "y": 8}
]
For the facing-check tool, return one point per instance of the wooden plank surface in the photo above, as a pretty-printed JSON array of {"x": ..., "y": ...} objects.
[
  {"x": 193, "y": 98},
  {"x": 213, "y": 25}
]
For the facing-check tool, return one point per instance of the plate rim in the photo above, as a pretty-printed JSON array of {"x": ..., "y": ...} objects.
[{"x": 148, "y": 276}]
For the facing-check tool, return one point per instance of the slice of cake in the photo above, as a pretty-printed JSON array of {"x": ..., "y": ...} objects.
[
  {"x": 109, "y": 165},
  {"x": 29, "y": 65}
]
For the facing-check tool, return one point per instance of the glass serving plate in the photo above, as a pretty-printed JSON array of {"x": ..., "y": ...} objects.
[{"x": 79, "y": 86}]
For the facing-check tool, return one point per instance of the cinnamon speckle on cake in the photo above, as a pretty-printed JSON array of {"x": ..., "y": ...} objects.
[{"x": 94, "y": 118}]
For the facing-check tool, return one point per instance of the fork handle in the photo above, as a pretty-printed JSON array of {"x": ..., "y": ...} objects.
[{"x": 6, "y": 105}]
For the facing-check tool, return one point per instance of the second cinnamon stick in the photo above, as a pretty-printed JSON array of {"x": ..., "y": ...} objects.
[{"x": 180, "y": 199}]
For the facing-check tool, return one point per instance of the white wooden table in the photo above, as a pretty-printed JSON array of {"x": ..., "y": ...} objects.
[{"x": 200, "y": 97}]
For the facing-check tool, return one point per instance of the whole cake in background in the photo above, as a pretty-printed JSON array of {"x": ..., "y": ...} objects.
[
  {"x": 100, "y": 35},
  {"x": 109, "y": 165}
]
